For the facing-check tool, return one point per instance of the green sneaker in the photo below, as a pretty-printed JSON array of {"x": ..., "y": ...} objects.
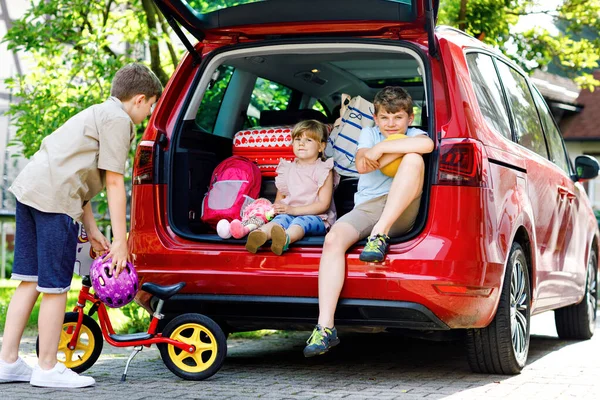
[
  {"x": 376, "y": 248},
  {"x": 321, "y": 340}
]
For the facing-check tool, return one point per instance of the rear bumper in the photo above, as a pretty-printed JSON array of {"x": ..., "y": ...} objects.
[
  {"x": 277, "y": 312},
  {"x": 408, "y": 294},
  {"x": 411, "y": 289}
]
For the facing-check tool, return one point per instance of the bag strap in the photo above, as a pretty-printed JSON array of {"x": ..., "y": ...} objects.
[{"x": 343, "y": 107}]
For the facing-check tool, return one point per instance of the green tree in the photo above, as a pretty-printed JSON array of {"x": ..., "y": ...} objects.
[
  {"x": 576, "y": 50},
  {"x": 75, "y": 47}
]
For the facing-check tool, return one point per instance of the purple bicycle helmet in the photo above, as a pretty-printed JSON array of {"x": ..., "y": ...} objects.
[{"x": 114, "y": 292}]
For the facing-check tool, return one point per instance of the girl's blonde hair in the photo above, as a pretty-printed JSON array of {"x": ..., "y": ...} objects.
[{"x": 312, "y": 129}]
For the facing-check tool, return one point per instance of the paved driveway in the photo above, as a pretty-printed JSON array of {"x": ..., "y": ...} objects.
[{"x": 363, "y": 366}]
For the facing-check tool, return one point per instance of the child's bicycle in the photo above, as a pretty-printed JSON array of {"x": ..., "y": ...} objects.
[{"x": 192, "y": 345}]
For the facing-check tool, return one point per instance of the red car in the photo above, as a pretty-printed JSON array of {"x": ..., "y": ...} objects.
[{"x": 505, "y": 228}]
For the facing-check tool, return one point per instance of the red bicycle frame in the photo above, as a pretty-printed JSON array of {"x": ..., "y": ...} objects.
[{"x": 107, "y": 329}]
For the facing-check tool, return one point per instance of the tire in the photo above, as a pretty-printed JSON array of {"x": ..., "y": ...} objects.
[
  {"x": 578, "y": 321},
  {"x": 502, "y": 346},
  {"x": 88, "y": 347},
  {"x": 210, "y": 342}
]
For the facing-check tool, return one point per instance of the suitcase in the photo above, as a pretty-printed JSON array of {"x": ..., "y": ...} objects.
[{"x": 265, "y": 146}]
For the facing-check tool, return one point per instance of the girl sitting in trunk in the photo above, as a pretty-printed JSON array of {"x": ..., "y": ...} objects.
[{"x": 303, "y": 204}]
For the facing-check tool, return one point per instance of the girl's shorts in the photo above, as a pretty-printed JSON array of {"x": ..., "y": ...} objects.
[
  {"x": 312, "y": 225},
  {"x": 45, "y": 246}
]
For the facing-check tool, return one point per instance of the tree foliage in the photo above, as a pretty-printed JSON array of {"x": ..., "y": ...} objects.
[
  {"x": 75, "y": 47},
  {"x": 575, "y": 50}
]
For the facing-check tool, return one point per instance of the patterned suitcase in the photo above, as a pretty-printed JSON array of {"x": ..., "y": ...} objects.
[{"x": 265, "y": 146}]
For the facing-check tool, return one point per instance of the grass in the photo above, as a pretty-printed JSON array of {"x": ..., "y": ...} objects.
[
  {"x": 8, "y": 287},
  {"x": 256, "y": 334}
]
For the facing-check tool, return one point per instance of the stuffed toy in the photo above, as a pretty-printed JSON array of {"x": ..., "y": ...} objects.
[{"x": 254, "y": 215}]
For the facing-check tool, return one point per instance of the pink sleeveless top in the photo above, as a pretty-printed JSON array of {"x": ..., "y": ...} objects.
[{"x": 300, "y": 184}]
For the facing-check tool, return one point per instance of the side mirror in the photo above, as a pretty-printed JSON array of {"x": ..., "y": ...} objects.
[{"x": 586, "y": 167}]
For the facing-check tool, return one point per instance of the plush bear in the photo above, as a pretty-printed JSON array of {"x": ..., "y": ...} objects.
[{"x": 254, "y": 215}]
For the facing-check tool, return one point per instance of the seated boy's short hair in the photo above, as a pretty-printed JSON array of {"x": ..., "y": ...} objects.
[
  {"x": 393, "y": 99},
  {"x": 134, "y": 79}
]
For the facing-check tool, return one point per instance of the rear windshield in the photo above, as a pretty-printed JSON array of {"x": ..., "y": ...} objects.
[{"x": 205, "y": 6}]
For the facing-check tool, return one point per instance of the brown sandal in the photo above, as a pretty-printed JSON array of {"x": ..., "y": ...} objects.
[
  {"x": 280, "y": 241},
  {"x": 255, "y": 239}
]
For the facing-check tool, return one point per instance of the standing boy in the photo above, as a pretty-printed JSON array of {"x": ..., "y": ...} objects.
[
  {"x": 53, "y": 192},
  {"x": 373, "y": 215}
]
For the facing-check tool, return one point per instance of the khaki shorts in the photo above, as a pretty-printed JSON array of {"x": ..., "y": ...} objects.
[{"x": 364, "y": 216}]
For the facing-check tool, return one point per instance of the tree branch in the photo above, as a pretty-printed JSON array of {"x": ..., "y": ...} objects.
[
  {"x": 153, "y": 45},
  {"x": 106, "y": 12},
  {"x": 523, "y": 13},
  {"x": 462, "y": 15},
  {"x": 165, "y": 30}
]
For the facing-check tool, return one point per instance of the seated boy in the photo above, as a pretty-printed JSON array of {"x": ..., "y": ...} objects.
[{"x": 373, "y": 215}]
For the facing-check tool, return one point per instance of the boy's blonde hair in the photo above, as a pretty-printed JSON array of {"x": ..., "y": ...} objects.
[
  {"x": 134, "y": 79},
  {"x": 313, "y": 129},
  {"x": 393, "y": 99}
]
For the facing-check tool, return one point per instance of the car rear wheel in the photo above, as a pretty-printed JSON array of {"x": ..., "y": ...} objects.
[
  {"x": 502, "y": 346},
  {"x": 578, "y": 321}
]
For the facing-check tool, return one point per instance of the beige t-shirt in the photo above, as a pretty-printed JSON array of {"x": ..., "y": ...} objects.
[{"x": 69, "y": 168}]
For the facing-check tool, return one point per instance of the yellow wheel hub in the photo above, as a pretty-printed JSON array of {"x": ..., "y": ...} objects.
[
  {"x": 202, "y": 339},
  {"x": 83, "y": 348}
]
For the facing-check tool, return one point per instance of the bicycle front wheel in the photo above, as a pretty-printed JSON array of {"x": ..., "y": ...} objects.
[{"x": 209, "y": 340}]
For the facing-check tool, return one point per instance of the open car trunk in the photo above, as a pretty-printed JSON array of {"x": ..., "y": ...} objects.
[{"x": 274, "y": 86}]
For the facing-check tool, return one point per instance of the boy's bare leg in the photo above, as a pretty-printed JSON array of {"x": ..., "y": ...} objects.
[
  {"x": 332, "y": 269},
  {"x": 50, "y": 322},
  {"x": 19, "y": 310},
  {"x": 406, "y": 186}
]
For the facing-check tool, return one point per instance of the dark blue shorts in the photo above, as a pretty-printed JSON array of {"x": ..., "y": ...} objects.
[
  {"x": 45, "y": 246},
  {"x": 311, "y": 224}
]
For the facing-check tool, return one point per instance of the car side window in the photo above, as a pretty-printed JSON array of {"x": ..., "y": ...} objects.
[
  {"x": 527, "y": 123},
  {"x": 211, "y": 102},
  {"x": 489, "y": 92},
  {"x": 555, "y": 142},
  {"x": 267, "y": 95},
  {"x": 319, "y": 107}
]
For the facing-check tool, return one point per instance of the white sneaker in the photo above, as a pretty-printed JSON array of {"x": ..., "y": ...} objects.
[
  {"x": 18, "y": 371},
  {"x": 59, "y": 377}
]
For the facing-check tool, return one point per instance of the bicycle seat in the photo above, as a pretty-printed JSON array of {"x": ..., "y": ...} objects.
[{"x": 162, "y": 292}]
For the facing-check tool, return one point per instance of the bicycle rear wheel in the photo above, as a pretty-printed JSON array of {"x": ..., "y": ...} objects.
[{"x": 88, "y": 347}]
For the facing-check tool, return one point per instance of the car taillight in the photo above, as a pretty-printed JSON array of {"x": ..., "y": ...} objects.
[
  {"x": 143, "y": 171},
  {"x": 462, "y": 163}
]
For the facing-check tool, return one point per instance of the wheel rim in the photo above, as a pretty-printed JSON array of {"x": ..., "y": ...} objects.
[
  {"x": 202, "y": 339},
  {"x": 592, "y": 295},
  {"x": 83, "y": 348},
  {"x": 519, "y": 304}
]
